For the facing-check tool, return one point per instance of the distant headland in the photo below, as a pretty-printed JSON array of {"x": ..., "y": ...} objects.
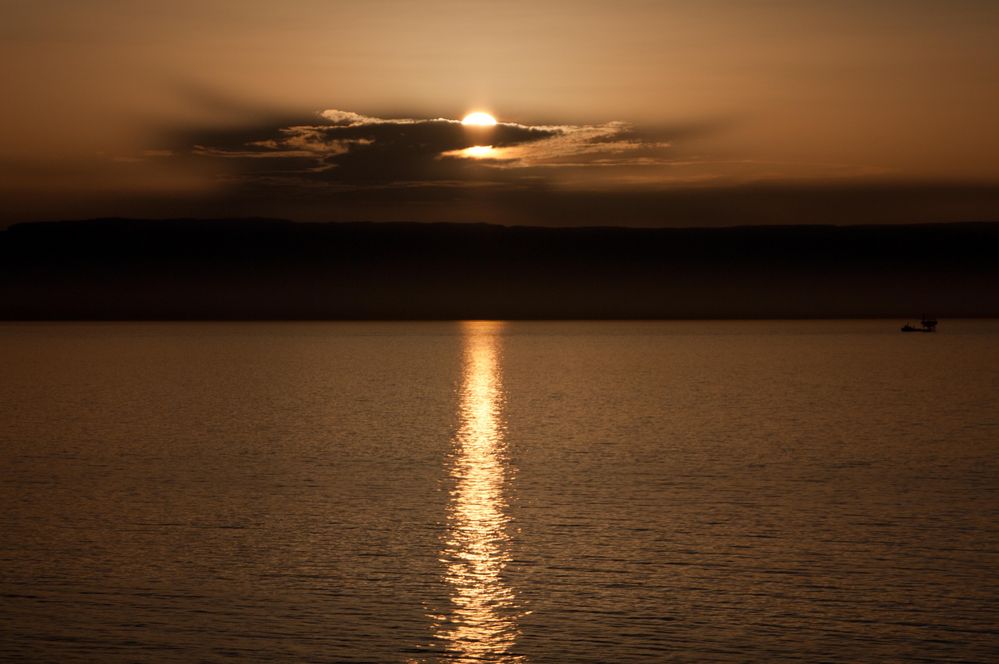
[{"x": 258, "y": 269}]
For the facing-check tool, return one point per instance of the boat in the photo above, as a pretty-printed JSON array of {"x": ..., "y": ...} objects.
[{"x": 926, "y": 325}]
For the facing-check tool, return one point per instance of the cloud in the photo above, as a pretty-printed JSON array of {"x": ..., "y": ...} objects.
[{"x": 345, "y": 148}]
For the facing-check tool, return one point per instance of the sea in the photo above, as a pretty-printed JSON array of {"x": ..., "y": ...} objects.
[{"x": 488, "y": 491}]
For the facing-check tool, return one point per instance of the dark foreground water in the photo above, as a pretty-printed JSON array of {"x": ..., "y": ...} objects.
[{"x": 526, "y": 492}]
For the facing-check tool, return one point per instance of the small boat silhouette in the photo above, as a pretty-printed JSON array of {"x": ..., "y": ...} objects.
[{"x": 927, "y": 325}]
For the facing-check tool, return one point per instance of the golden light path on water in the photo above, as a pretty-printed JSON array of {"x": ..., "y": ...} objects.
[{"x": 482, "y": 624}]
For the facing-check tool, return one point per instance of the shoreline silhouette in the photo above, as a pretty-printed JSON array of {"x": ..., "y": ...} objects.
[{"x": 255, "y": 269}]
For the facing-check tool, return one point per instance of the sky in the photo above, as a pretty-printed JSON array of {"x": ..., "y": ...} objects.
[{"x": 706, "y": 113}]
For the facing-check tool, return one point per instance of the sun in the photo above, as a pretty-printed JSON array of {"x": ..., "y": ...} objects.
[{"x": 478, "y": 119}]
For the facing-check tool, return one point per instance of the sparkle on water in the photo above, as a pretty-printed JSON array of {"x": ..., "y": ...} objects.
[{"x": 483, "y": 620}]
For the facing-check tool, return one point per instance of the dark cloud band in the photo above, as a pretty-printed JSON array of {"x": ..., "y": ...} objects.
[{"x": 350, "y": 148}]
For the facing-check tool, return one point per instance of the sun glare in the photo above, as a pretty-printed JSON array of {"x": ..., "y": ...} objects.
[
  {"x": 479, "y": 119},
  {"x": 478, "y": 151}
]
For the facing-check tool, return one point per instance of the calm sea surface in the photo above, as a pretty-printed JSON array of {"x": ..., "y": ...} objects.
[{"x": 516, "y": 492}]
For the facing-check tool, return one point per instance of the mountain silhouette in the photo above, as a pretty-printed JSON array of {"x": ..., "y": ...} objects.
[{"x": 251, "y": 269}]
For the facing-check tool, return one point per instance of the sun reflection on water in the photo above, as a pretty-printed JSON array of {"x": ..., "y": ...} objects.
[{"x": 482, "y": 624}]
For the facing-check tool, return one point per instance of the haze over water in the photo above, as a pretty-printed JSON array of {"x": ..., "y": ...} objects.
[{"x": 513, "y": 492}]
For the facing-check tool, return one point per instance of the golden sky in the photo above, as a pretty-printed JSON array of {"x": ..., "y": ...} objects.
[{"x": 334, "y": 110}]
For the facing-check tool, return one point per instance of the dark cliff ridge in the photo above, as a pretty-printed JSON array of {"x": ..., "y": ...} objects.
[{"x": 264, "y": 269}]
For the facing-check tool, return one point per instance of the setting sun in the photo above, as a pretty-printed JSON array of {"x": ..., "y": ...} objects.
[{"x": 479, "y": 119}]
